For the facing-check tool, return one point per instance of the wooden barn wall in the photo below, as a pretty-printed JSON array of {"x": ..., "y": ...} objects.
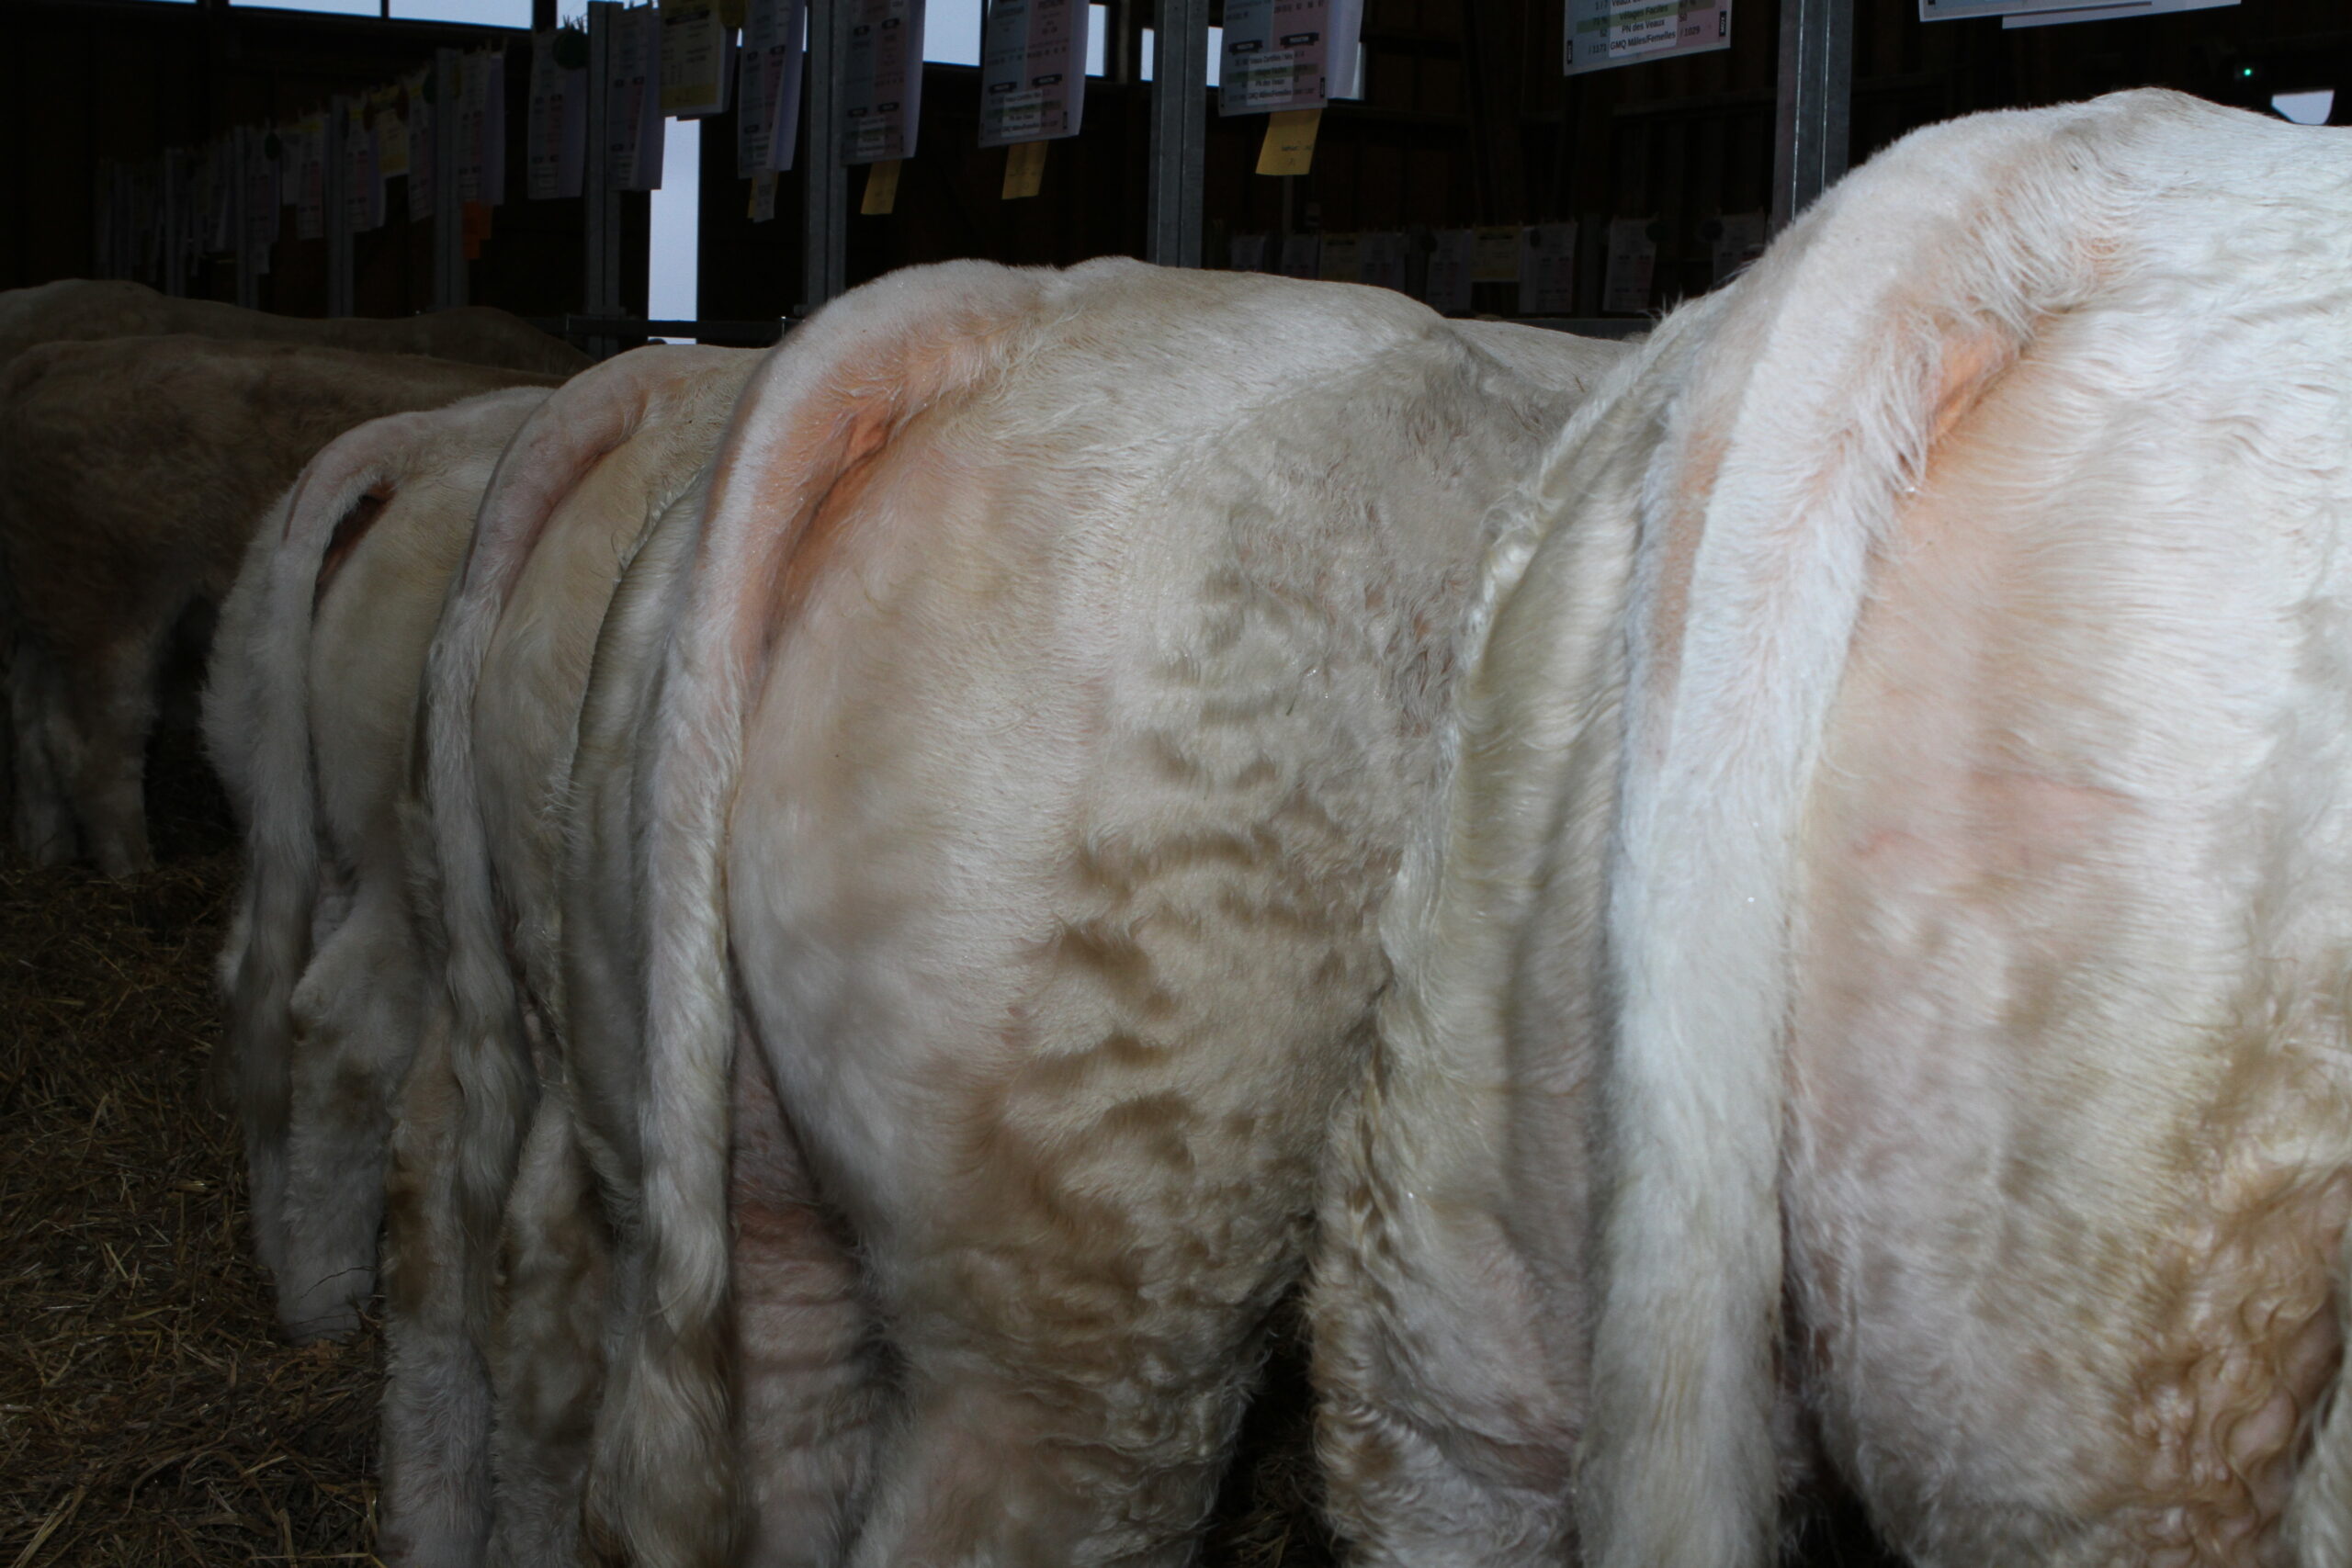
[{"x": 1466, "y": 120}]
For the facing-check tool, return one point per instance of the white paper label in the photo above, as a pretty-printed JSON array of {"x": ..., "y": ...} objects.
[
  {"x": 1602, "y": 33},
  {"x": 1548, "y": 270},
  {"x": 421, "y": 167},
  {"x": 1288, "y": 54},
  {"x": 1246, "y": 252},
  {"x": 310, "y": 180},
  {"x": 1033, "y": 70},
  {"x": 697, "y": 56},
  {"x": 1380, "y": 260},
  {"x": 1447, "y": 288},
  {"x": 1625, "y": 290},
  {"x": 556, "y": 137},
  {"x": 2037, "y": 13},
  {"x": 1302, "y": 255},
  {"x": 363, "y": 191},
  {"x": 767, "y": 86},
  {"x": 882, "y": 81},
  {"x": 633, "y": 102}
]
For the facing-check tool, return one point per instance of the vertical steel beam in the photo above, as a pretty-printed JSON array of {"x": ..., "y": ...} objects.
[
  {"x": 1179, "y": 129},
  {"x": 337, "y": 186},
  {"x": 601, "y": 227},
  {"x": 1815, "y": 102},
  {"x": 824, "y": 179},
  {"x": 448, "y": 210}
]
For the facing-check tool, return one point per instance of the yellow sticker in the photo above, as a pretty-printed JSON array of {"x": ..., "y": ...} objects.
[
  {"x": 1024, "y": 169},
  {"x": 762, "y": 208},
  {"x": 1496, "y": 259},
  {"x": 1290, "y": 141},
  {"x": 730, "y": 14},
  {"x": 881, "y": 189}
]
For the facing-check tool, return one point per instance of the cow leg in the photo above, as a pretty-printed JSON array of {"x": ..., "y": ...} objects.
[
  {"x": 436, "y": 1391},
  {"x": 109, "y": 709},
  {"x": 548, "y": 1356},
  {"x": 42, "y": 822},
  {"x": 354, "y": 1024},
  {"x": 806, "y": 1344}
]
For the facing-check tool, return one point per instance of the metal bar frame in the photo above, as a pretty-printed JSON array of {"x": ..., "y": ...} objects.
[
  {"x": 1180, "y": 130},
  {"x": 1814, "y": 104},
  {"x": 336, "y": 201},
  {"x": 601, "y": 235},
  {"x": 448, "y": 210},
  {"x": 824, "y": 179}
]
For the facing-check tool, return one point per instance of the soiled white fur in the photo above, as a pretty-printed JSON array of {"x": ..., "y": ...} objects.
[
  {"x": 498, "y": 1241},
  {"x": 307, "y": 712},
  {"x": 1060, "y": 663},
  {"x": 1975, "y": 913}
]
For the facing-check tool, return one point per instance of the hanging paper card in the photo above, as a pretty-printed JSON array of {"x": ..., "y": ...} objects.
[
  {"x": 1302, "y": 255},
  {"x": 1288, "y": 54},
  {"x": 1602, "y": 33},
  {"x": 1025, "y": 170},
  {"x": 697, "y": 56},
  {"x": 1496, "y": 259},
  {"x": 762, "y": 205},
  {"x": 391, "y": 132},
  {"x": 882, "y": 81},
  {"x": 1738, "y": 240},
  {"x": 310, "y": 180},
  {"x": 556, "y": 137},
  {"x": 1548, "y": 270},
  {"x": 1246, "y": 252},
  {"x": 1380, "y": 260},
  {"x": 2038, "y": 13},
  {"x": 881, "y": 189},
  {"x": 481, "y": 126},
  {"x": 1447, "y": 287},
  {"x": 261, "y": 200},
  {"x": 1033, "y": 70},
  {"x": 633, "y": 113},
  {"x": 767, "y": 86},
  {"x": 1289, "y": 147},
  {"x": 1338, "y": 261},
  {"x": 420, "y": 169},
  {"x": 1625, "y": 290}
]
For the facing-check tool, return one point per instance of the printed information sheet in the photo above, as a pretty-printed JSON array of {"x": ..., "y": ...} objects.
[
  {"x": 882, "y": 81},
  {"x": 767, "y": 87},
  {"x": 1288, "y": 54},
  {"x": 1605, "y": 33},
  {"x": 1033, "y": 70}
]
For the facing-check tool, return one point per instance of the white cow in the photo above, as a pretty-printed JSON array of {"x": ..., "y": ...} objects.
[
  {"x": 308, "y": 706},
  {"x": 1952, "y": 1060},
  {"x": 1060, "y": 663},
  {"x": 81, "y": 309},
  {"x": 505, "y": 1187},
  {"x": 133, "y": 472}
]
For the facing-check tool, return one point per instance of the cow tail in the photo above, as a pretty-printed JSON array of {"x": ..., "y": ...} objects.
[
  {"x": 1780, "y": 470},
  {"x": 258, "y": 726},
  {"x": 813, "y": 418}
]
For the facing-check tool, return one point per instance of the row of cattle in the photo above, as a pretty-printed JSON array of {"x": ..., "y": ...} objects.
[{"x": 1771, "y": 906}]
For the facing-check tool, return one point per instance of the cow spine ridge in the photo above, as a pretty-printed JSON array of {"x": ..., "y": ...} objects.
[
  {"x": 1878, "y": 318},
  {"x": 662, "y": 1483}
]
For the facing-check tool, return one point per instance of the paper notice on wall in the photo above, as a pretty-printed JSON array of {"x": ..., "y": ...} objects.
[
  {"x": 1446, "y": 289},
  {"x": 1025, "y": 170},
  {"x": 1547, "y": 269},
  {"x": 1633, "y": 255},
  {"x": 767, "y": 86},
  {"x": 1033, "y": 70},
  {"x": 1246, "y": 252},
  {"x": 697, "y": 58},
  {"x": 2039, "y": 13},
  {"x": 421, "y": 167},
  {"x": 391, "y": 137},
  {"x": 1380, "y": 260},
  {"x": 1496, "y": 259},
  {"x": 309, "y": 139},
  {"x": 1340, "y": 256},
  {"x": 363, "y": 188},
  {"x": 555, "y": 139},
  {"x": 633, "y": 120},
  {"x": 1288, "y": 54},
  {"x": 1604, "y": 33},
  {"x": 481, "y": 126},
  {"x": 1739, "y": 239},
  {"x": 1302, "y": 255},
  {"x": 882, "y": 81},
  {"x": 762, "y": 208}
]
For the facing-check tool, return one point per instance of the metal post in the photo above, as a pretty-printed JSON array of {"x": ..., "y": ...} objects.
[
  {"x": 448, "y": 210},
  {"x": 1179, "y": 129},
  {"x": 602, "y": 203},
  {"x": 338, "y": 210},
  {"x": 824, "y": 180},
  {"x": 1815, "y": 102},
  {"x": 167, "y": 253}
]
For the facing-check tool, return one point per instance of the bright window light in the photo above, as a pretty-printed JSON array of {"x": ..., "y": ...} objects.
[
  {"x": 1217, "y": 55},
  {"x": 2306, "y": 108},
  {"x": 332, "y": 7},
  {"x": 1097, "y": 40},
  {"x": 676, "y": 248},
  {"x": 951, "y": 32},
  {"x": 481, "y": 13}
]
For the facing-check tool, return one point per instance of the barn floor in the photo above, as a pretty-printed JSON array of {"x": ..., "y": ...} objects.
[{"x": 149, "y": 1415}]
